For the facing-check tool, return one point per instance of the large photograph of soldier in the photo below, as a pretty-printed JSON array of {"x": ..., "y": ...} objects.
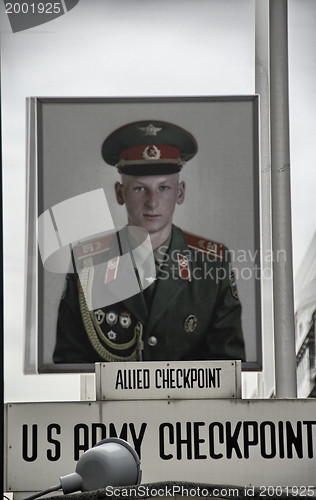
[{"x": 157, "y": 285}]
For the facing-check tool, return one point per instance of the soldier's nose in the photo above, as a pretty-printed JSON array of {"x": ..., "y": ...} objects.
[{"x": 152, "y": 200}]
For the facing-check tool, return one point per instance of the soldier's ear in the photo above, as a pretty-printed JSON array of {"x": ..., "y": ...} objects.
[
  {"x": 181, "y": 192},
  {"x": 119, "y": 193}
]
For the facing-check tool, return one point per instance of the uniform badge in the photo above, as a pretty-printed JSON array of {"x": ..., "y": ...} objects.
[
  {"x": 111, "y": 318},
  {"x": 125, "y": 320},
  {"x": 190, "y": 323},
  {"x": 150, "y": 129},
  {"x": 111, "y": 270},
  {"x": 233, "y": 285},
  {"x": 92, "y": 247},
  {"x": 151, "y": 152},
  {"x": 111, "y": 335},
  {"x": 150, "y": 280},
  {"x": 99, "y": 316},
  {"x": 183, "y": 265},
  {"x": 212, "y": 247}
]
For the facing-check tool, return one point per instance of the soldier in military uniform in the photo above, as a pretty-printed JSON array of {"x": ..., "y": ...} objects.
[{"x": 126, "y": 303}]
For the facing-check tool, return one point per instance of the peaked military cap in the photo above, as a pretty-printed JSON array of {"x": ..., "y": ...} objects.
[{"x": 149, "y": 148}]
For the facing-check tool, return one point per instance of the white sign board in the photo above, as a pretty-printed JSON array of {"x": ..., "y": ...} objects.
[
  {"x": 271, "y": 442},
  {"x": 168, "y": 380}
]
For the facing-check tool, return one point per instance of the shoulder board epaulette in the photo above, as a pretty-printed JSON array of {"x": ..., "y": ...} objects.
[
  {"x": 93, "y": 247},
  {"x": 207, "y": 246}
]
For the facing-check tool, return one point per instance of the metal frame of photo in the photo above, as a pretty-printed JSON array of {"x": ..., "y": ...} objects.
[{"x": 64, "y": 139}]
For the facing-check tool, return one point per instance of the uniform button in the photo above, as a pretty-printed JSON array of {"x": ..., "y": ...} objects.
[{"x": 152, "y": 341}]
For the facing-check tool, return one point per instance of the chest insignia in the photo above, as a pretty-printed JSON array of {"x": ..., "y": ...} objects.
[
  {"x": 125, "y": 319},
  {"x": 111, "y": 270},
  {"x": 111, "y": 335},
  {"x": 184, "y": 269},
  {"x": 190, "y": 323},
  {"x": 111, "y": 318},
  {"x": 99, "y": 316}
]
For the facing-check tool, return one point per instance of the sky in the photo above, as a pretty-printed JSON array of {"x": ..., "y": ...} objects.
[{"x": 139, "y": 48}]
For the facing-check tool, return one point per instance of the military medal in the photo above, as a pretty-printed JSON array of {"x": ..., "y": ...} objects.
[
  {"x": 183, "y": 265},
  {"x": 111, "y": 335},
  {"x": 190, "y": 323},
  {"x": 125, "y": 320},
  {"x": 111, "y": 270},
  {"x": 111, "y": 318},
  {"x": 99, "y": 316}
]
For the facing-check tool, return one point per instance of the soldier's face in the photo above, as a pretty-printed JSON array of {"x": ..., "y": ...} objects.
[{"x": 150, "y": 200}]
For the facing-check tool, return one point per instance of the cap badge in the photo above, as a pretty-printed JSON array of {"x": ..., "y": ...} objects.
[
  {"x": 125, "y": 320},
  {"x": 99, "y": 316},
  {"x": 150, "y": 129},
  {"x": 111, "y": 318},
  {"x": 151, "y": 152},
  {"x": 190, "y": 323}
]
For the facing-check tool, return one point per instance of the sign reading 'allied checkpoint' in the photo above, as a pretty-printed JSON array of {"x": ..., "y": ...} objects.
[
  {"x": 168, "y": 380},
  {"x": 260, "y": 443}
]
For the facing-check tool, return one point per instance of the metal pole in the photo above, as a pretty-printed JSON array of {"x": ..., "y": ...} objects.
[
  {"x": 266, "y": 382},
  {"x": 285, "y": 358}
]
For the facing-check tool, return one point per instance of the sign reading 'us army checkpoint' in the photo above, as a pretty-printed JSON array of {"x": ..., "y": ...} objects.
[{"x": 228, "y": 441}]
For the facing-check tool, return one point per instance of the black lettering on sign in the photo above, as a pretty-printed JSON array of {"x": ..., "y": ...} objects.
[
  {"x": 295, "y": 440},
  {"x": 132, "y": 379},
  {"x": 81, "y": 439},
  {"x": 162, "y": 427},
  {"x": 96, "y": 437},
  {"x": 212, "y": 427},
  {"x": 53, "y": 457},
  {"x": 137, "y": 440},
  {"x": 281, "y": 439},
  {"x": 119, "y": 380},
  {"x": 100, "y": 431},
  {"x": 250, "y": 438},
  {"x": 267, "y": 439},
  {"x": 197, "y": 441},
  {"x": 25, "y": 446},
  {"x": 123, "y": 433},
  {"x": 309, "y": 425},
  {"x": 232, "y": 440},
  {"x": 187, "y": 441}
]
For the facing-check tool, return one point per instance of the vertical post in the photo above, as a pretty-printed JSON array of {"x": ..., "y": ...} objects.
[
  {"x": 266, "y": 381},
  {"x": 1, "y": 345},
  {"x": 285, "y": 359}
]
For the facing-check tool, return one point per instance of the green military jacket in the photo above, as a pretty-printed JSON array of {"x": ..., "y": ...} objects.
[{"x": 191, "y": 313}]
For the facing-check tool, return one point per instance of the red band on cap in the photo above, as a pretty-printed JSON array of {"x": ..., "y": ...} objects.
[{"x": 150, "y": 152}]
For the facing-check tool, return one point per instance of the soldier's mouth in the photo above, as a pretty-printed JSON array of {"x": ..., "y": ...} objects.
[{"x": 151, "y": 216}]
